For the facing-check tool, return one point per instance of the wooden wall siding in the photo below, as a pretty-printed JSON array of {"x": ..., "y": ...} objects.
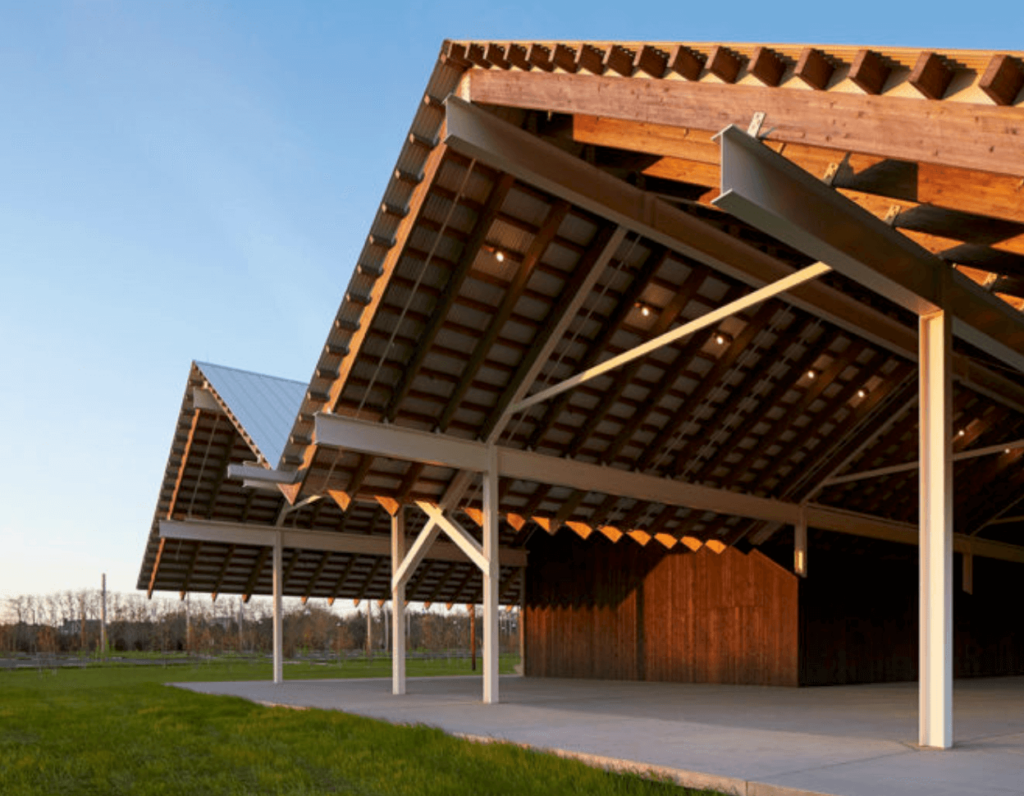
[
  {"x": 859, "y": 618},
  {"x": 598, "y": 610}
]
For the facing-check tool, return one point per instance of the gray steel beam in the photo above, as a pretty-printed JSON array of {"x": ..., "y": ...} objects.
[{"x": 775, "y": 195}]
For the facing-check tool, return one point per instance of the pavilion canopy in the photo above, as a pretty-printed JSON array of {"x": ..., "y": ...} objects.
[{"x": 551, "y": 209}]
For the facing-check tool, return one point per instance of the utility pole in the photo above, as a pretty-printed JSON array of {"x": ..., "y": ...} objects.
[{"x": 103, "y": 618}]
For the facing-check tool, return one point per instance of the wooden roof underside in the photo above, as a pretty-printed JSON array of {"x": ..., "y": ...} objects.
[{"x": 467, "y": 270}]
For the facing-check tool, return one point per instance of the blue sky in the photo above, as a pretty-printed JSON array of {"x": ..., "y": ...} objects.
[{"x": 187, "y": 181}]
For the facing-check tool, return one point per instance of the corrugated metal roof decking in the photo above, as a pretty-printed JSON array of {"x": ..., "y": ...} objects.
[{"x": 266, "y": 406}]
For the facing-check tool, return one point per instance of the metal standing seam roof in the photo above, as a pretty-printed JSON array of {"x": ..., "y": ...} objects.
[
  {"x": 435, "y": 327},
  {"x": 264, "y": 406}
]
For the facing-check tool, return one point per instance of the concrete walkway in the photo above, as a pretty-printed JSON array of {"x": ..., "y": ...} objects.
[{"x": 845, "y": 740}]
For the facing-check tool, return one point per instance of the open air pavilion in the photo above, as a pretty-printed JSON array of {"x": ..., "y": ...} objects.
[{"x": 707, "y": 356}]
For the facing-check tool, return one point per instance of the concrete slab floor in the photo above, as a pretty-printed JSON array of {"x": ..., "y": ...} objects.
[{"x": 842, "y": 740}]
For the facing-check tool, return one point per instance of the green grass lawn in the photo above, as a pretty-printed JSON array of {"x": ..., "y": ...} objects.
[{"x": 118, "y": 729}]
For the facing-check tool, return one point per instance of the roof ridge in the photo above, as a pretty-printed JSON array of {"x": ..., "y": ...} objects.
[{"x": 200, "y": 364}]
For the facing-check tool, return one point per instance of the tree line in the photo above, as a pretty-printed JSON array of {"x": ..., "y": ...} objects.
[{"x": 70, "y": 622}]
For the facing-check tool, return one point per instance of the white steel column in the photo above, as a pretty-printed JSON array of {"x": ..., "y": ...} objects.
[
  {"x": 397, "y": 603},
  {"x": 278, "y": 617},
  {"x": 490, "y": 577},
  {"x": 936, "y": 520}
]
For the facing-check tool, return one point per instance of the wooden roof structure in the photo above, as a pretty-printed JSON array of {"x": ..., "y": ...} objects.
[{"x": 551, "y": 209}]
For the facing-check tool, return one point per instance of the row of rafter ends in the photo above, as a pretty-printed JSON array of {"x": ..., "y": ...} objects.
[{"x": 999, "y": 75}]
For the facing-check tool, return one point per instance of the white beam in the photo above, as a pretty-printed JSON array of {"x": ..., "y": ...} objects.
[
  {"x": 256, "y": 474},
  {"x": 319, "y": 541},
  {"x": 203, "y": 399},
  {"x": 990, "y": 450},
  {"x": 405, "y": 444},
  {"x": 490, "y": 573},
  {"x": 278, "y": 612},
  {"x": 395, "y": 442},
  {"x": 416, "y": 554},
  {"x": 398, "y": 543},
  {"x": 751, "y": 299},
  {"x": 465, "y": 541},
  {"x": 935, "y": 711},
  {"x": 529, "y": 466}
]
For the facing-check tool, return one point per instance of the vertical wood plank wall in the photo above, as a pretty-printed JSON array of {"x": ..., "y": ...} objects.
[
  {"x": 620, "y": 611},
  {"x": 859, "y": 617}
]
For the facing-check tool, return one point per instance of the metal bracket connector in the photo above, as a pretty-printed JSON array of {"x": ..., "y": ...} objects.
[{"x": 754, "y": 128}]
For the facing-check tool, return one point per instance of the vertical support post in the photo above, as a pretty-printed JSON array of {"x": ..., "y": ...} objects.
[
  {"x": 278, "y": 612},
  {"x": 800, "y": 545},
  {"x": 968, "y": 579},
  {"x": 369, "y": 629},
  {"x": 471, "y": 611},
  {"x": 103, "y": 620},
  {"x": 398, "y": 604},
  {"x": 936, "y": 567},
  {"x": 522, "y": 621},
  {"x": 490, "y": 577}
]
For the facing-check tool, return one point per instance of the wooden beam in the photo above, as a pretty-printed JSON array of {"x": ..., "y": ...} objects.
[
  {"x": 417, "y": 200},
  {"x": 870, "y": 71},
  {"x": 320, "y": 567},
  {"x": 584, "y": 276},
  {"x": 156, "y": 567},
  {"x": 964, "y": 135},
  {"x": 340, "y": 582},
  {"x": 724, "y": 64},
  {"x": 468, "y": 255},
  {"x": 814, "y": 68},
  {"x": 187, "y": 582},
  {"x": 767, "y": 66},
  {"x": 184, "y": 461},
  {"x": 773, "y": 397},
  {"x": 931, "y": 75},
  {"x": 656, "y": 448},
  {"x": 556, "y": 214},
  {"x": 651, "y": 61},
  {"x": 611, "y": 325},
  {"x": 1003, "y": 79},
  {"x": 219, "y": 580},
  {"x": 257, "y": 570},
  {"x": 863, "y": 178}
]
